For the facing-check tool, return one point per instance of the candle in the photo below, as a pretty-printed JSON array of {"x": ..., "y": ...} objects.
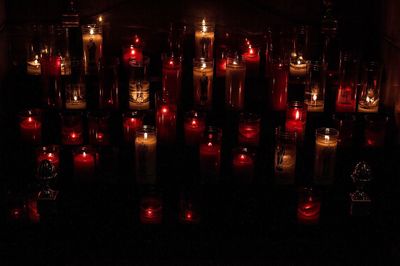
[
  {"x": 204, "y": 40},
  {"x": 84, "y": 163},
  {"x": 92, "y": 47},
  {"x": 296, "y": 116},
  {"x": 346, "y": 99},
  {"x": 99, "y": 128},
  {"x": 75, "y": 96},
  {"x": 150, "y": 210},
  {"x": 33, "y": 66},
  {"x": 375, "y": 130},
  {"x": 279, "y": 74},
  {"x": 194, "y": 127},
  {"x": 139, "y": 95},
  {"x": 221, "y": 65},
  {"x": 172, "y": 79},
  {"x": 188, "y": 214},
  {"x": 50, "y": 153},
  {"x": 146, "y": 155},
  {"x": 325, "y": 155},
  {"x": 30, "y": 126},
  {"x": 51, "y": 81},
  {"x": 243, "y": 166},
  {"x": 315, "y": 89},
  {"x": 309, "y": 207},
  {"x": 298, "y": 66},
  {"x": 285, "y": 157},
  {"x": 234, "y": 83},
  {"x": 210, "y": 155},
  {"x": 344, "y": 123},
  {"x": 252, "y": 59},
  {"x": 132, "y": 55},
  {"x": 166, "y": 123},
  {"x": 72, "y": 128},
  {"x": 132, "y": 121},
  {"x": 348, "y": 78},
  {"x": 249, "y": 129},
  {"x": 203, "y": 82},
  {"x": 370, "y": 87}
]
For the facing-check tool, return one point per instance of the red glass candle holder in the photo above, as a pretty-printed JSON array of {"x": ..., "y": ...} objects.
[
  {"x": 194, "y": 126},
  {"x": 308, "y": 207},
  {"x": 84, "y": 160},
  {"x": 243, "y": 165},
  {"x": 348, "y": 79},
  {"x": 221, "y": 63},
  {"x": 172, "y": 79},
  {"x": 280, "y": 74},
  {"x": 344, "y": 123},
  {"x": 188, "y": 213},
  {"x": 249, "y": 129},
  {"x": 210, "y": 155},
  {"x": 251, "y": 57},
  {"x": 166, "y": 121},
  {"x": 132, "y": 55},
  {"x": 99, "y": 128},
  {"x": 51, "y": 80},
  {"x": 375, "y": 130},
  {"x": 132, "y": 121},
  {"x": 151, "y": 210},
  {"x": 296, "y": 116},
  {"x": 50, "y": 153},
  {"x": 72, "y": 128},
  {"x": 30, "y": 126}
]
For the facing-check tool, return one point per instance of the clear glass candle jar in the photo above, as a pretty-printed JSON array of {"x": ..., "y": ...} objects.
[
  {"x": 204, "y": 39},
  {"x": 315, "y": 89},
  {"x": 139, "y": 86},
  {"x": 109, "y": 84},
  {"x": 75, "y": 89},
  {"x": 279, "y": 72},
  {"x": 249, "y": 129},
  {"x": 92, "y": 38},
  {"x": 308, "y": 206},
  {"x": 71, "y": 128},
  {"x": 368, "y": 101},
  {"x": 375, "y": 130},
  {"x": 146, "y": 155},
  {"x": 203, "y": 73},
  {"x": 99, "y": 128},
  {"x": 325, "y": 155},
  {"x": 348, "y": 79},
  {"x": 285, "y": 157},
  {"x": 344, "y": 123},
  {"x": 235, "y": 83}
]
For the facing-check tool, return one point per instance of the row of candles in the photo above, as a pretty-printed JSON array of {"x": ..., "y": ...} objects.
[
  {"x": 151, "y": 209},
  {"x": 208, "y": 140}
]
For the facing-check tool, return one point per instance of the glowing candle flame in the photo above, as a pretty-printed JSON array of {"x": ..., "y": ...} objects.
[
  {"x": 30, "y": 119},
  {"x": 84, "y": 154},
  {"x": 194, "y": 122},
  {"x": 314, "y": 97},
  {"x": 204, "y": 27},
  {"x": 91, "y": 31},
  {"x": 164, "y": 110},
  {"x": 100, "y": 19},
  {"x": 242, "y": 156},
  {"x": 297, "y": 117},
  {"x": 209, "y": 144},
  {"x": 75, "y": 98},
  {"x": 145, "y": 135},
  {"x": 326, "y": 138}
]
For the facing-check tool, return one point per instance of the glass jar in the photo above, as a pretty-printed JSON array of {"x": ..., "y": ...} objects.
[
  {"x": 315, "y": 89},
  {"x": 203, "y": 73},
  {"x": 285, "y": 157},
  {"x": 370, "y": 88}
]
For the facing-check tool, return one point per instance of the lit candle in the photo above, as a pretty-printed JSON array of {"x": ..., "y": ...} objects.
[
  {"x": 139, "y": 95},
  {"x": 188, "y": 214},
  {"x": 325, "y": 155},
  {"x": 132, "y": 121},
  {"x": 210, "y": 155},
  {"x": 84, "y": 164},
  {"x": 146, "y": 155},
  {"x": 132, "y": 55},
  {"x": 33, "y": 66},
  {"x": 252, "y": 59},
  {"x": 243, "y": 166},
  {"x": 298, "y": 66},
  {"x": 51, "y": 81},
  {"x": 150, "y": 210},
  {"x": 221, "y": 66},
  {"x": 315, "y": 89},
  {"x": 75, "y": 96},
  {"x": 172, "y": 79},
  {"x": 99, "y": 132},
  {"x": 166, "y": 123},
  {"x": 72, "y": 128},
  {"x": 296, "y": 116},
  {"x": 30, "y": 126},
  {"x": 234, "y": 83},
  {"x": 50, "y": 153},
  {"x": 203, "y": 82},
  {"x": 370, "y": 87},
  {"x": 204, "y": 40},
  {"x": 346, "y": 99},
  {"x": 375, "y": 130},
  {"x": 308, "y": 208},
  {"x": 285, "y": 157},
  {"x": 279, "y": 72},
  {"x": 249, "y": 129},
  {"x": 194, "y": 127},
  {"x": 92, "y": 47}
]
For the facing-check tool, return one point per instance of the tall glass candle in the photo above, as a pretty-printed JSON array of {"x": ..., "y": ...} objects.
[
  {"x": 298, "y": 63},
  {"x": 251, "y": 57},
  {"x": 298, "y": 66},
  {"x": 194, "y": 127},
  {"x": 344, "y": 123},
  {"x": 279, "y": 72},
  {"x": 99, "y": 128},
  {"x": 348, "y": 78},
  {"x": 166, "y": 122},
  {"x": 220, "y": 68},
  {"x": 234, "y": 83},
  {"x": 203, "y": 72},
  {"x": 285, "y": 157},
  {"x": 315, "y": 89},
  {"x": 109, "y": 84},
  {"x": 139, "y": 86},
  {"x": 308, "y": 206},
  {"x": 210, "y": 155},
  {"x": 375, "y": 130},
  {"x": 204, "y": 40},
  {"x": 84, "y": 160},
  {"x": 30, "y": 126},
  {"x": 132, "y": 55},
  {"x": 132, "y": 121},
  {"x": 75, "y": 90},
  {"x": 370, "y": 89},
  {"x": 243, "y": 165},
  {"x": 150, "y": 210},
  {"x": 249, "y": 129},
  {"x": 296, "y": 117},
  {"x": 325, "y": 155},
  {"x": 51, "y": 81},
  {"x": 92, "y": 38},
  {"x": 172, "y": 78},
  {"x": 146, "y": 155},
  {"x": 71, "y": 128},
  {"x": 50, "y": 153}
]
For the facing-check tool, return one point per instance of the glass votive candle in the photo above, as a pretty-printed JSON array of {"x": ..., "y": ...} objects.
[
  {"x": 279, "y": 73},
  {"x": 210, "y": 155},
  {"x": 188, "y": 211},
  {"x": 368, "y": 101},
  {"x": 132, "y": 121},
  {"x": 172, "y": 78},
  {"x": 92, "y": 38},
  {"x": 315, "y": 89},
  {"x": 132, "y": 55},
  {"x": 220, "y": 68},
  {"x": 203, "y": 72},
  {"x": 285, "y": 157},
  {"x": 30, "y": 126},
  {"x": 71, "y": 128},
  {"x": 194, "y": 126},
  {"x": 51, "y": 81},
  {"x": 165, "y": 121},
  {"x": 151, "y": 210},
  {"x": 251, "y": 57},
  {"x": 75, "y": 88},
  {"x": 249, "y": 129},
  {"x": 347, "y": 91},
  {"x": 84, "y": 161},
  {"x": 99, "y": 128},
  {"x": 50, "y": 153},
  {"x": 243, "y": 165},
  {"x": 296, "y": 117},
  {"x": 344, "y": 123},
  {"x": 325, "y": 155},
  {"x": 146, "y": 155},
  {"x": 375, "y": 130},
  {"x": 234, "y": 83},
  {"x": 204, "y": 39},
  {"x": 308, "y": 206}
]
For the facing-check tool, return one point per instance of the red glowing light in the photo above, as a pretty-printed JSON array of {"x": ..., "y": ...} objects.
[
  {"x": 133, "y": 120},
  {"x": 149, "y": 212},
  {"x": 189, "y": 215},
  {"x": 251, "y": 50},
  {"x": 30, "y": 119},
  {"x": 194, "y": 122},
  {"x": 171, "y": 62},
  {"x": 209, "y": 144},
  {"x": 164, "y": 110},
  {"x": 133, "y": 51},
  {"x": 99, "y": 136},
  {"x": 242, "y": 157},
  {"x": 297, "y": 115},
  {"x": 73, "y": 135}
]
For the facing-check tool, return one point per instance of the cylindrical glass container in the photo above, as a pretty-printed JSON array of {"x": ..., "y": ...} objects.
[
  {"x": 71, "y": 128},
  {"x": 172, "y": 78},
  {"x": 344, "y": 123},
  {"x": 194, "y": 126},
  {"x": 51, "y": 81},
  {"x": 315, "y": 90},
  {"x": 50, "y": 153},
  {"x": 299, "y": 66},
  {"x": 251, "y": 57},
  {"x": 30, "y": 126},
  {"x": 84, "y": 160},
  {"x": 348, "y": 78},
  {"x": 165, "y": 121},
  {"x": 151, "y": 210},
  {"x": 296, "y": 117},
  {"x": 132, "y": 121},
  {"x": 75, "y": 89},
  {"x": 325, "y": 155},
  {"x": 375, "y": 130},
  {"x": 243, "y": 165},
  {"x": 109, "y": 85},
  {"x": 203, "y": 72},
  {"x": 139, "y": 86},
  {"x": 249, "y": 129},
  {"x": 146, "y": 155},
  {"x": 308, "y": 206},
  {"x": 370, "y": 88},
  {"x": 234, "y": 83},
  {"x": 99, "y": 128},
  {"x": 285, "y": 157},
  {"x": 204, "y": 40},
  {"x": 210, "y": 155},
  {"x": 279, "y": 73},
  {"x": 92, "y": 38}
]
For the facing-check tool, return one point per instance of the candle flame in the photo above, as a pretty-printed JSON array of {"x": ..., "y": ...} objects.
[
  {"x": 50, "y": 155},
  {"x": 242, "y": 156},
  {"x": 203, "y": 65},
  {"x": 209, "y": 144},
  {"x": 133, "y": 119},
  {"x": 133, "y": 51},
  {"x": 30, "y": 119},
  {"x": 137, "y": 40},
  {"x": 314, "y": 97},
  {"x": 149, "y": 212},
  {"x": 100, "y": 19},
  {"x": 145, "y": 135},
  {"x": 91, "y": 31},
  {"x": 84, "y": 154},
  {"x": 194, "y": 122},
  {"x": 203, "y": 23},
  {"x": 326, "y": 138},
  {"x": 75, "y": 98},
  {"x": 368, "y": 99},
  {"x": 251, "y": 50},
  {"x": 297, "y": 115},
  {"x": 171, "y": 62},
  {"x": 188, "y": 215},
  {"x": 73, "y": 135},
  {"x": 164, "y": 109}
]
